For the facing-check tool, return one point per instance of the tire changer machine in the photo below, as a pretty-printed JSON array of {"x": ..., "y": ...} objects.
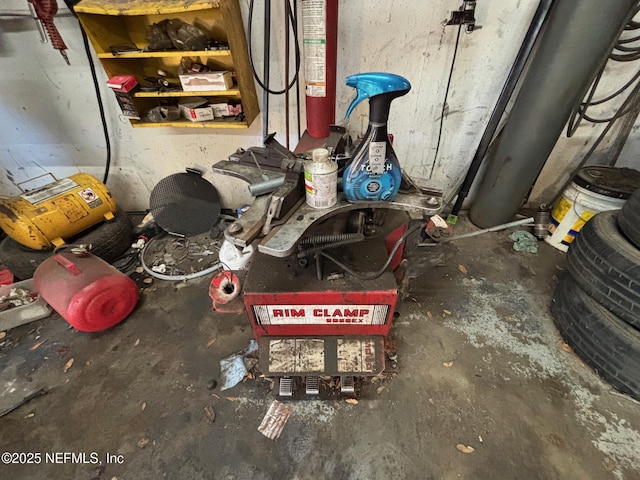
[{"x": 322, "y": 289}]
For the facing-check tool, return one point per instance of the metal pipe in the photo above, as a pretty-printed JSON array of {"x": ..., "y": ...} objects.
[
  {"x": 576, "y": 40},
  {"x": 504, "y": 226},
  {"x": 268, "y": 186},
  {"x": 508, "y": 88},
  {"x": 265, "y": 67}
]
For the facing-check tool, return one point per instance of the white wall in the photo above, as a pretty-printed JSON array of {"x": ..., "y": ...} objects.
[{"x": 49, "y": 119}]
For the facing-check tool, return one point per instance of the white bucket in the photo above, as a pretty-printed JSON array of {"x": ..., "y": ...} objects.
[
  {"x": 576, "y": 206},
  {"x": 321, "y": 180}
]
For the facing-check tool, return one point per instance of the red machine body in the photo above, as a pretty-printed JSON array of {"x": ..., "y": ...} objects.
[
  {"x": 328, "y": 323},
  {"x": 320, "y": 313}
]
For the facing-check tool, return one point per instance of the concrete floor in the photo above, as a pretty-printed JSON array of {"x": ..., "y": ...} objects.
[{"x": 479, "y": 363}]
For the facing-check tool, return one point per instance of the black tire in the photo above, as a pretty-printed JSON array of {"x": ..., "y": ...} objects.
[
  {"x": 20, "y": 260},
  {"x": 603, "y": 341},
  {"x": 629, "y": 218},
  {"x": 607, "y": 266},
  {"x": 109, "y": 239}
]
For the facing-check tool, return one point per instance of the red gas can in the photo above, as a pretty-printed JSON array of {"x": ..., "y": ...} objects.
[{"x": 86, "y": 291}]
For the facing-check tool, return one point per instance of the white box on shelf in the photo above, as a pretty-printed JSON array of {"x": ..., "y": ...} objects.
[
  {"x": 206, "y": 82},
  {"x": 220, "y": 110},
  {"x": 196, "y": 109}
]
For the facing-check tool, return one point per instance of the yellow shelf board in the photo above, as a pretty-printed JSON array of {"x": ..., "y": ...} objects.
[
  {"x": 188, "y": 124},
  {"x": 234, "y": 92},
  {"x": 143, "y": 7},
  {"x": 168, "y": 54}
]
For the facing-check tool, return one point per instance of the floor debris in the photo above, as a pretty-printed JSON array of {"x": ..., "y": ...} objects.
[
  {"x": 524, "y": 241},
  {"x": 68, "y": 365},
  {"x": 168, "y": 254},
  {"x": 235, "y": 367},
  {"x": 17, "y": 297},
  {"x": 210, "y": 413},
  {"x": 143, "y": 442},
  {"x": 465, "y": 448},
  {"x": 275, "y": 419}
]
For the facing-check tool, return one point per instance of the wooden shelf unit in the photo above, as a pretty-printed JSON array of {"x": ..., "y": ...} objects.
[{"x": 122, "y": 22}]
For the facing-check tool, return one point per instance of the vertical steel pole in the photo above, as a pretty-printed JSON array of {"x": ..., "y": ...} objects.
[{"x": 573, "y": 46}]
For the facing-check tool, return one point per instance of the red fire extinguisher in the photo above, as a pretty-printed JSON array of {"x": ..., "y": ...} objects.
[{"x": 320, "y": 40}]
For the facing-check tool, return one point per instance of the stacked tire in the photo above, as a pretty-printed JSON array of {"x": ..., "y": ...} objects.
[{"x": 596, "y": 306}]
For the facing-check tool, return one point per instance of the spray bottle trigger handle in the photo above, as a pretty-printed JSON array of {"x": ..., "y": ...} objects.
[{"x": 359, "y": 97}]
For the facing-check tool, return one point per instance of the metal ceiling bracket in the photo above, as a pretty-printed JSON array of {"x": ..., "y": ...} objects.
[{"x": 465, "y": 15}]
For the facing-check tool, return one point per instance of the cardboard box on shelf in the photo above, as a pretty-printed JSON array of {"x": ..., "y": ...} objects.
[
  {"x": 123, "y": 87},
  {"x": 220, "y": 109},
  {"x": 209, "y": 81},
  {"x": 196, "y": 109},
  {"x": 123, "y": 83},
  {"x": 125, "y": 100}
]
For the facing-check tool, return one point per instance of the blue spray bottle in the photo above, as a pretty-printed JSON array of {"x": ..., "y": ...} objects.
[{"x": 374, "y": 172}]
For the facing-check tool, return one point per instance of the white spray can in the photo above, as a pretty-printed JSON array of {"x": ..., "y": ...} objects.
[{"x": 321, "y": 180}]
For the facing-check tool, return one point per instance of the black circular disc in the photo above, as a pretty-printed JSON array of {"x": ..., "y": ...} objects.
[{"x": 185, "y": 203}]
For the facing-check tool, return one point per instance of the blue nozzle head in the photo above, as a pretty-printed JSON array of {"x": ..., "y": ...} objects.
[{"x": 369, "y": 85}]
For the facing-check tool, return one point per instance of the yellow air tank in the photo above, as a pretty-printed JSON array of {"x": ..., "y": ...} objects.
[{"x": 47, "y": 216}]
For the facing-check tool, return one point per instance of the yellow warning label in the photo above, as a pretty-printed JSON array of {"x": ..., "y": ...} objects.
[
  {"x": 584, "y": 217},
  {"x": 561, "y": 209}
]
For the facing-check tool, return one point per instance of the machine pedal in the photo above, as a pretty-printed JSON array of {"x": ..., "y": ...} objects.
[
  {"x": 313, "y": 385},
  {"x": 285, "y": 388},
  {"x": 347, "y": 384}
]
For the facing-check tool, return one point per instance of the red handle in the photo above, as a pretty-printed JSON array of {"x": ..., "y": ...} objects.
[{"x": 67, "y": 264}]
